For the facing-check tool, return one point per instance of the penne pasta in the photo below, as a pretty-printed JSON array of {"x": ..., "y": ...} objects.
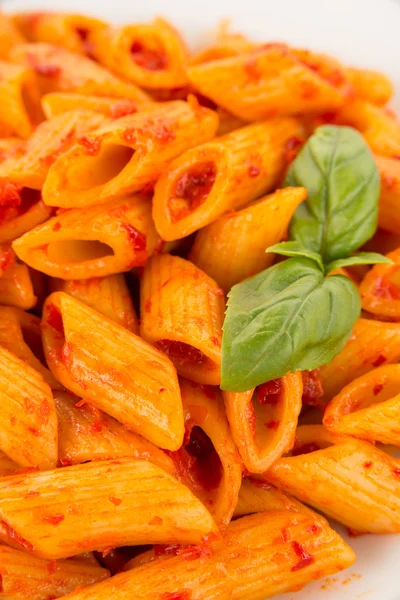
[
  {"x": 108, "y": 295},
  {"x": 208, "y": 462},
  {"x": 372, "y": 86},
  {"x": 347, "y": 479},
  {"x": 125, "y": 377},
  {"x": 7, "y": 258},
  {"x": 99, "y": 505},
  {"x": 232, "y": 248},
  {"x": 182, "y": 311},
  {"x": 19, "y": 100},
  {"x": 372, "y": 344},
  {"x": 226, "y": 44},
  {"x": 26, "y": 577},
  {"x": 57, "y": 103},
  {"x": 380, "y": 289},
  {"x": 7, "y": 466},
  {"x": 222, "y": 175},
  {"x": 258, "y": 557},
  {"x": 11, "y": 147},
  {"x": 9, "y": 36},
  {"x": 152, "y": 55},
  {"x": 86, "y": 433},
  {"x": 368, "y": 407},
  {"x": 263, "y": 421},
  {"x": 16, "y": 287},
  {"x": 21, "y": 208},
  {"x": 389, "y": 202},
  {"x": 126, "y": 154},
  {"x": 28, "y": 429},
  {"x": 92, "y": 242},
  {"x": 272, "y": 80}
]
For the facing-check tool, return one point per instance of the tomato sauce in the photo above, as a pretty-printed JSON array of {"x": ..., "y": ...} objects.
[
  {"x": 184, "y": 595},
  {"x": 54, "y": 519},
  {"x": 147, "y": 58},
  {"x": 305, "y": 558},
  {"x": 54, "y": 319},
  {"x": 312, "y": 388},
  {"x": 387, "y": 289},
  {"x": 15, "y": 538},
  {"x": 136, "y": 238},
  {"x": 16, "y": 200},
  {"x": 269, "y": 392},
  {"x": 193, "y": 188},
  {"x": 181, "y": 354}
]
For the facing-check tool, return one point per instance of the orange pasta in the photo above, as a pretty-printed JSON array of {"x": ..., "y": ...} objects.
[
  {"x": 69, "y": 30},
  {"x": 263, "y": 421},
  {"x": 19, "y": 100},
  {"x": 11, "y": 147},
  {"x": 113, "y": 369},
  {"x": 222, "y": 175},
  {"x": 152, "y": 55},
  {"x": 7, "y": 466},
  {"x": 347, "y": 479},
  {"x": 28, "y": 430},
  {"x": 208, "y": 462},
  {"x": 380, "y": 289},
  {"x": 368, "y": 407},
  {"x": 21, "y": 208},
  {"x": 86, "y": 433},
  {"x": 56, "y": 103},
  {"x": 108, "y": 295},
  {"x": 232, "y": 248},
  {"x": 16, "y": 287},
  {"x": 181, "y": 314},
  {"x": 389, "y": 203},
  {"x": 92, "y": 242},
  {"x": 373, "y": 86},
  {"x": 127, "y": 153},
  {"x": 9, "y": 36},
  {"x": 227, "y": 44}
]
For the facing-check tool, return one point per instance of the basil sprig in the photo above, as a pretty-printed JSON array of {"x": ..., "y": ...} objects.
[{"x": 292, "y": 316}]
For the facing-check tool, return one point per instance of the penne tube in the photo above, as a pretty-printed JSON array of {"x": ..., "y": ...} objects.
[
  {"x": 272, "y": 80},
  {"x": 221, "y": 176},
  {"x": 50, "y": 139},
  {"x": 380, "y": 289},
  {"x": 259, "y": 556},
  {"x": 72, "y": 31},
  {"x": 16, "y": 287},
  {"x": 7, "y": 466},
  {"x": 28, "y": 430},
  {"x": 208, "y": 462},
  {"x": 98, "y": 505},
  {"x": 182, "y": 311},
  {"x": 9, "y": 36},
  {"x": 21, "y": 208},
  {"x": 19, "y": 100},
  {"x": 92, "y": 242},
  {"x": 371, "y": 345},
  {"x": 226, "y": 44},
  {"x": 26, "y": 577},
  {"x": 20, "y": 334},
  {"x": 152, "y": 55},
  {"x": 108, "y": 295},
  {"x": 86, "y": 433},
  {"x": 127, "y": 153},
  {"x": 347, "y": 479},
  {"x": 368, "y": 407},
  {"x": 59, "y": 70},
  {"x": 232, "y": 248},
  {"x": 263, "y": 421},
  {"x": 113, "y": 369},
  {"x": 372, "y": 86},
  {"x": 389, "y": 201},
  {"x": 7, "y": 258},
  {"x": 57, "y": 103},
  {"x": 11, "y": 147}
]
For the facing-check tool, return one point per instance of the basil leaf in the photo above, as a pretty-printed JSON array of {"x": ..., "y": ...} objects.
[
  {"x": 296, "y": 249},
  {"x": 361, "y": 258},
  {"x": 286, "y": 318},
  {"x": 340, "y": 174}
]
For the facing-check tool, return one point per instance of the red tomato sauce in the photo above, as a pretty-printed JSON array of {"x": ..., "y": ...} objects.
[
  {"x": 269, "y": 392},
  {"x": 312, "y": 388},
  {"x": 147, "y": 58},
  {"x": 387, "y": 289},
  {"x": 181, "y": 354},
  {"x": 305, "y": 558},
  {"x": 16, "y": 200},
  {"x": 193, "y": 187},
  {"x": 54, "y": 319}
]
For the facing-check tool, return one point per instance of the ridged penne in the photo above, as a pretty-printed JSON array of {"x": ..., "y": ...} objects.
[
  {"x": 49, "y": 140},
  {"x": 59, "y": 70},
  {"x": 263, "y": 421},
  {"x": 16, "y": 287},
  {"x": 28, "y": 428},
  {"x": 56, "y": 103},
  {"x": 222, "y": 175},
  {"x": 98, "y": 505},
  {"x": 347, "y": 479},
  {"x": 182, "y": 311},
  {"x": 7, "y": 466},
  {"x": 389, "y": 202},
  {"x": 208, "y": 462},
  {"x": 371, "y": 345},
  {"x": 372, "y": 86},
  {"x": 19, "y": 100},
  {"x": 259, "y": 556},
  {"x": 368, "y": 407},
  {"x": 152, "y": 55},
  {"x": 92, "y": 242},
  {"x": 20, "y": 334},
  {"x": 26, "y": 577},
  {"x": 380, "y": 289},
  {"x": 86, "y": 433},
  {"x": 127, "y": 153},
  {"x": 9, "y": 36},
  {"x": 271, "y": 80},
  {"x": 72, "y": 31},
  {"x": 232, "y": 248},
  {"x": 108, "y": 295},
  {"x": 113, "y": 369}
]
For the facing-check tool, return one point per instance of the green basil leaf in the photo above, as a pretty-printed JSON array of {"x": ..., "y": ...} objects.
[
  {"x": 361, "y": 258},
  {"x": 340, "y": 174},
  {"x": 294, "y": 248},
  {"x": 286, "y": 318}
]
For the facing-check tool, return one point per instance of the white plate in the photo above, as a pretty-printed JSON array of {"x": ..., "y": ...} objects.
[{"x": 361, "y": 32}]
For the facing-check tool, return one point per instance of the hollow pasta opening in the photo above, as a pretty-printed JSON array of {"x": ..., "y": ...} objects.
[
  {"x": 16, "y": 201},
  {"x": 93, "y": 171},
  {"x": 191, "y": 190},
  {"x": 151, "y": 59},
  {"x": 33, "y": 340},
  {"x": 72, "y": 251},
  {"x": 184, "y": 356}
]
